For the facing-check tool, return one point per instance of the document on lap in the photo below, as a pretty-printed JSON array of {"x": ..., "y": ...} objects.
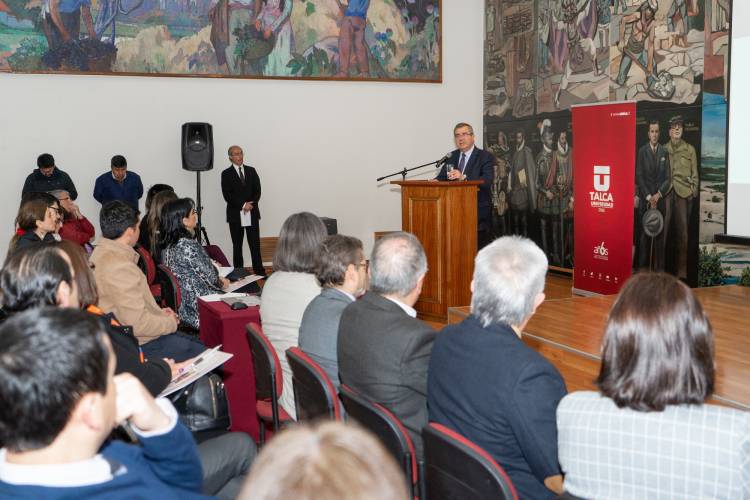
[{"x": 207, "y": 361}]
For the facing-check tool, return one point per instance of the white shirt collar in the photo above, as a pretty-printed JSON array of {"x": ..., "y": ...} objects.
[
  {"x": 467, "y": 154},
  {"x": 95, "y": 470},
  {"x": 123, "y": 177},
  {"x": 407, "y": 309}
]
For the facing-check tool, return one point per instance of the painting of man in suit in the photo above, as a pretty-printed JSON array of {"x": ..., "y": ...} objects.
[{"x": 652, "y": 187}]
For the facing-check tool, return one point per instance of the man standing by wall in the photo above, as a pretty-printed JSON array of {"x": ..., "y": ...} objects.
[
  {"x": 684, "y": 163},
  {"x": 240, "y": 186},
  {"x": 48, "y": 178},
  {"x": 653, "y": 184},
  {"x": 119, "y": 184},
  {"x": 473, "y": 164}
]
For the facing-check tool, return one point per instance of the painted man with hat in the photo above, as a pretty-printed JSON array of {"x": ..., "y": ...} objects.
[{"x": 653, "y": 184}]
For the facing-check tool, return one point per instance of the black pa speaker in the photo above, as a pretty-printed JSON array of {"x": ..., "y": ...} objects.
[{"x": 197, "y": 146}]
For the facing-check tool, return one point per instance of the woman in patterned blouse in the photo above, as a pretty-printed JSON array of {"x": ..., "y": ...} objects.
[{"x": 187, "y": 259}]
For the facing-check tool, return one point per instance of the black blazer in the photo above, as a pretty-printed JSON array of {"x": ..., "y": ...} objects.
[
  {"x": 479, "y": 167},
  {"x": 235, "y": 194},
  {"x": 652, "y": 172},
  {"x": 383, "y": 353}
]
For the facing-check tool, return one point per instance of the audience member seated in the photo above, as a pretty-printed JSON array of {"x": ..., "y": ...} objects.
[
  {"x": 58, "y": 410},
  {"x": 187, "y": 259},
  {"x": 75, "y": 227},
  {"x": 124, "y": 292},
  {"x": 119, "y": 184},
  {"x": 151, "y": 219},
  {"x": 331, "y": 461},
  {"x": 41, "y": 276},
  {"x": 383, "y": 349},
  {"x": 289, "y": 290},
  {"x": 342, "y": 272},
  {"x": 489, "y": 386},
  {"x": 36, "y": 221},
  {"x": 47, "y": 177},
  {"x": 648, "y": 432}
]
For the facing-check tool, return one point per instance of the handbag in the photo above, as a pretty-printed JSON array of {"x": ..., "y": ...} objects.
[{"x": 203, "y": 405}]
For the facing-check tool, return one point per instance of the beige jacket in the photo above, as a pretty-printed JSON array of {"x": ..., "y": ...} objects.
[{"x": 124, "y": 292}]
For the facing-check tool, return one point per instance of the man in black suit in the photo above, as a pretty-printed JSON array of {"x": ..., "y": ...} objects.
[
  {"x": 471, "y": 163},
  {"x": 652, "y": 177},
  {"x": 383, "y": 349},
  {"x": 486, "y": 384},
  {"x": 240, "y": 186}
]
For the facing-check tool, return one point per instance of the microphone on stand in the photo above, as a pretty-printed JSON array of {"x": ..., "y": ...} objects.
[{"x": 442, "y": 160}]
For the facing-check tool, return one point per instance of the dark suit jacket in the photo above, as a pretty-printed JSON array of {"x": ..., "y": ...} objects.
[
  {"x": 383, "y": 354},
  {"x": 479, "y": 167},
  {"x": 487, "y": 385},
  {"x": 652, "y": 172},
  {"x": 235, "y": 194}
]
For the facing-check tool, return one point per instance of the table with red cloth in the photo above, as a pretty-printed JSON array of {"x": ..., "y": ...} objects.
[{"x": 219, "y": 324}]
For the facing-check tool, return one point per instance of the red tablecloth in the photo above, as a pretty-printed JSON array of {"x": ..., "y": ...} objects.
[{"x": 219, "y": 324}]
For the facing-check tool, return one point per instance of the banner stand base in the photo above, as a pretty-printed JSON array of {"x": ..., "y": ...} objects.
[{"x": 585, "y": 293}]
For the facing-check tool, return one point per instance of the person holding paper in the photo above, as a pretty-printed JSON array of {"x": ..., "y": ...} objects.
[
  {"x": 187, "y": 259},
  {"x": 240, "y": 186}
]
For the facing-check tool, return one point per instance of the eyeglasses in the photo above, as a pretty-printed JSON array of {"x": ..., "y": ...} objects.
[
  {"x": 59, "y": 211},
  {"x": 463, "y": 134}
]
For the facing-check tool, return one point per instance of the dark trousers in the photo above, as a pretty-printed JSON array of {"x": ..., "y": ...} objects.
[
  {"x": 236, "y": 232},
  {"x": 226, "y": 461},
  {"x": 680, "y": 223},
  {"x": 177, "y": 346}
]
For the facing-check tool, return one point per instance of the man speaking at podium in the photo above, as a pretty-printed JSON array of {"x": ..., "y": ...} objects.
[{"x": 469, "y": 163}]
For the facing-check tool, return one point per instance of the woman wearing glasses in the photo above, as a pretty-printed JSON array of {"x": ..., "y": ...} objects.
[{"x": 38, "y": 219}]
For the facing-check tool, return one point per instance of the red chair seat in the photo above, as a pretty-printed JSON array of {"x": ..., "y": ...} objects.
[{"x": 265, "y": 412}]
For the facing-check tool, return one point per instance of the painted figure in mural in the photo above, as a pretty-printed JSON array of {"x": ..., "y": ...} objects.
[
  {"x": 635, "y": 49},
  {"x": 226, "y": 16},
  {"x": 562, "y": 172},
  {"x": 273, "y": 17},
  {"x": 677, "y": 21},
  {"x": 522, "y": 185},
  {"x": 684, "y": 167},
  {"x": 605, "y": 18},
  {"x": 579, "y": 23},
  {"x": 501, "y": 151},
  {"x": 546, "y": 202},
  {"x": 653, "y": 183},
  {"x": 352, "y": 33},
  {"x": 543, "y": 30},
  {"x": 61, "y": 21}
]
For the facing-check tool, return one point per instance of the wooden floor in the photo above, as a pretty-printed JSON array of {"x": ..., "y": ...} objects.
[{"x": 568, "y": 331}]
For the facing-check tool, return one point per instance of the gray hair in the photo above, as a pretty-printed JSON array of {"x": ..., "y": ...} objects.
[
  {"x": 508, "y": 275},
  {"x": 57, "y": 193},
  {"x": 398, "y": 261}
]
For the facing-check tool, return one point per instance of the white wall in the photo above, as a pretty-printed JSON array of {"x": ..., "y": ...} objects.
[{"x": 318, "y": 146}]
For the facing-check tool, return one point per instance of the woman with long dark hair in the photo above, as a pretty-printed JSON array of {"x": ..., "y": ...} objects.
[
  {"x": 186, "y": 258},
  {"x": 648, "y": 432}
]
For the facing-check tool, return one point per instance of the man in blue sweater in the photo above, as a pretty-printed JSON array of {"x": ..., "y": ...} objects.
[
  {"x": 61, "y": 401},
  {"x": 119, "y": 184}
]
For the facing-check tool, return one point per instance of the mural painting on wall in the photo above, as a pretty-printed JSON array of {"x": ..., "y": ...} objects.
[
  {"x": 328, "y": 39},
  {"x": 668, "y": 55},
  {"x": 533, "y": 190}
]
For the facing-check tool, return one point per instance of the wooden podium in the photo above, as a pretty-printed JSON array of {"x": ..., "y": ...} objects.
[{"x": 443, "y": 215}]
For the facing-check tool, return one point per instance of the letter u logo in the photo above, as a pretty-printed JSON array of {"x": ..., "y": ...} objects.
[{"x": 601, "y": 177}]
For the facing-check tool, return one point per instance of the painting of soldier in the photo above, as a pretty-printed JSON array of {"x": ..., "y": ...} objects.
[
  {"x": 500, "y": 203},
  {"x": 522, "y": 185}
]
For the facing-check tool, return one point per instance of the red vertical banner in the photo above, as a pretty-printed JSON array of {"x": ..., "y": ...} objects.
[{"x": 604, "y": 186}]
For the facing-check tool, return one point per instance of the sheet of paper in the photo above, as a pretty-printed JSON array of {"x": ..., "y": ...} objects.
[
  {"x": 207, "y": 361},
  {"x": 246, "y": 218},
  {"x": 216, "y": 297},
  {"x": 235, "y": 285},
  {"x": 223, "y": 271}
]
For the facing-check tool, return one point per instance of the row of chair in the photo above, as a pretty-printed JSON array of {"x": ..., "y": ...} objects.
[{"x": 454, "y": 467}]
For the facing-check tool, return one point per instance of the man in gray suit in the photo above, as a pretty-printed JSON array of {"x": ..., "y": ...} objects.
[
  {"x": 342, "y": 272},
  {"x": 383, "y": 349}
]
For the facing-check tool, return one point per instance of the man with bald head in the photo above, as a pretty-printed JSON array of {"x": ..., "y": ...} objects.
[
  {"x": 240, "y": 186},
  {"x": 383, "y": 349}
]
